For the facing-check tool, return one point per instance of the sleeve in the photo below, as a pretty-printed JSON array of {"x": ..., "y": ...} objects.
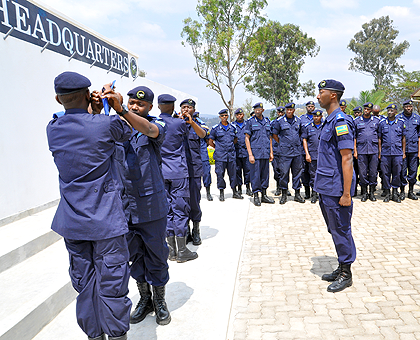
[
  {"x": 304, "y": 130},
  {"x": 380, "y": 130},
  {"x": 275, "y": 127},
  {"x": 119, "y": 129},
  {"x": 343, "y": 131},
  {"x": 162, "y": 131},
  {"x": 247, "y": 129},
  {"x": 404, "y": 128},
  {"x": 212, "y": 134}
]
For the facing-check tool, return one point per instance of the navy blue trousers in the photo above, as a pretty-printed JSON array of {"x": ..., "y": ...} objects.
[
  {"x": 275, "y": 163},
  {"x": 260, "y": 173},
  {"x": 99, "y": 272},
  {"x": 410, "y": 163},
  {"x": 296, "y": 165},
  {"x": 356, "y": 169},
  {"x": 338, "y": 220},
  {"x": 206, "y": 173},
  {"x": 178, "y": 194},
  {"x": 368, "y": 169},
  {"x": 220, "y": 167},
  {"x": 306, "y": 175},
  {"x": 391, "y": 166},
  {"x": 149, "y": 252},
  {"x": 313, "y": 165},
  {"x": 195, "y": 198},
  {"x": 242, "y": 168}
]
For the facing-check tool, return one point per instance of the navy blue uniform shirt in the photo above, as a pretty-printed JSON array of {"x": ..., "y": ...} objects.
[
  {"x": 223, "y": 138},
  {"x": 240, "y": 147},
  {"x": 391, "y": 134},
  {"x": 193, "y": 149},
  {"x": 259, "y": 132},
  {"x": 276, "y": 151},
  {"x": 412, "y": 132},
  {"x": 366, "y": 135},
  {"x": 290, "y": 143},
  {"x": 311, "y": 133}
]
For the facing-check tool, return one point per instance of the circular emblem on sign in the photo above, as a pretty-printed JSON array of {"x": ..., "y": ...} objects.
[
  {"x": 322, "y": 83},
  {"x": 133, "y": 67},
  {"x": 140, "y": 94}
]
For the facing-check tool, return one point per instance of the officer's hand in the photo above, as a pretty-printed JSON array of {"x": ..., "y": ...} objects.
[
  {"x": 379, "y": 155},
  {"x": 345, "y": 200},
  {"x": 355, "y": 154},
  {"x": 271, "y": 156},
  {"x": 115, "y": 99},
  {"x": 96, "y": 102},
  {"x": 251, "y": 159},
  {"x": 187, "y": 117},
  {"x": 308, "y": 159},
  {"x": 404, "y": 155}
]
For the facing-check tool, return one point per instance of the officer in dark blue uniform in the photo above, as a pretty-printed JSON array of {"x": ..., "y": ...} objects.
[
  {"x": 357, "y": 112},
  {"x": 205, "y": 159},
  {"x": 310, "y": 138},
  {"x": 286, "y": 131},
  {"x": 260, "y": 153},
  {"x": 391, "y": 152},
  {"x": 366, "y": 151},
  {"x": 175, "y": 173},
  {"x": 334, "y": 181},
  {"x": 343, "y": 105},
  {"x": 242, "y": 162},
  {"x": 411, "y": 161},
  {"x": 276, "y": 154},
  {"x": 145, "y": 206},
  {"x": 223, "y": 138},
  {"x": 306, "y": 119}
]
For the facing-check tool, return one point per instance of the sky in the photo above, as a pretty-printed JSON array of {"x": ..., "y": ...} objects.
[{"x": 152, "y": 30}]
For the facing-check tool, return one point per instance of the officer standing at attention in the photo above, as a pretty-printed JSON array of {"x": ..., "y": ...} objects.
[
  {"x": 205, "y": 160},
  {"x": 175, "y": 173},
  {"x": 242, "y": 162},
  {"x": 286, "y": 131},
  {"x": 196, "y": 132},
  {"x": 310, "y": 138},
  {"x": 276, "y": 154},
  {"x": 357, "y": 112},
  {"x": 392, "y": 152},
  {"x": 411, "y": 161},
  {"x": 306, "y": 177},
  {"x": 366, "y": 151},
  {"x": 343, "y": 105},
  {"x": 145, "y": 204},
  {"x": 334, "y": 181},
  {"x": 222, "y": 138}
]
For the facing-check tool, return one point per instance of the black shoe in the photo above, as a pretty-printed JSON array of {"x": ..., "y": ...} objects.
[
  {"x": 265, "y": 198},
  {"x": 411, "y": 194},
  {"x": 307, "y": 192},
  {"x": 387, "y": 196},
  {"x": 372, "y": 193},
  {"x": 100, "y": 337},
  {"x": 163, "y": 317},
  {"x": 145, "y": 304},
  {"x": 257, "y": 201},
  {"x": 240, "y": 189},
  {"x": 364, "y": 194},
  {"x": 184, "y": 254},
  {"x": 196, "y": 234},
  {"x": 189, "y": 237},
  {"x": 237, "y": 194},
  {"x": 332, "y": 276},
  {"x": 283, "y": 198},
  {"x": 343, "y": 280},
  {"x": 222, "y": 195},
  {"x": 278, "y": 190},
  {"x": 383, "y": 193},
  {"x": 298, "y": 197},
  {"x": 121, "y": 337},
  {"x": 172, "y": 248},
  {"x": 402, "y": 193},
  {"x": 395, "y": 197},
  {"x": 314, "y": 197},
  {"x": 209, "y": 197},
  {"x": 289, "y": 193},
  {"x": 248, "y": 189}
]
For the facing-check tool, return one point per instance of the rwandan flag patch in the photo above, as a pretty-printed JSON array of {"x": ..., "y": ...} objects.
[{"x": 342, "y": 130}]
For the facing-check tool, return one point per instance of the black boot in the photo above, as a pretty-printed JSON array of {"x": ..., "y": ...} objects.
[
  {"x": 298, "y": 197},
  {"x": 395, "y": 197},
  {"x": 222, "y": 195},
  {"x": 283, "y": 198},
  {"x": 121, "y": 337},
  {"x": 257, "y": 201},
  {"x": 248, "y": 189},
  {"x": 172, "y": 248},
  {"x": 100, "y": 337},
  {"x": 189, "y": 237},
  {"x": 387, "y": 196},
  {"x": 240, "y": 189},
  {"x": 209, "y": 197},
  {"x": 411, "y": 194},
  {"x": 332, "y": 276},
  {"x": 196, "y": 234},
  {"x": 314, "y": 197},
  {"x": 144, "y": 306},
  {"x": 383, "y": 193},
  {"x": 364, "y": 194},
  {"x": 163, "y": 317},
  {"x": 236, "y": 194},
  {"x": 265, "y": 198},
  {"x": 372, "y": 193},
  {"x": 289, "y": 193},
  {"x": 343, "y": 280},
  {"x": 307, "y": 192},
  {"x": 402, "y": 193},
  {"x": 278, "y": 190},
  {"x": 184, "y": 254}
]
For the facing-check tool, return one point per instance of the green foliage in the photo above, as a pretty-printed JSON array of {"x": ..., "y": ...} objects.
[
  {"x": 376, "y": 97},
  {"x": 376, "y": 50},
  {"x": 219, "y": 40},
  {"x": 280, "y": 51},
  {"x": 210, "y": 151},
  {"x": 246, "y": 107}
]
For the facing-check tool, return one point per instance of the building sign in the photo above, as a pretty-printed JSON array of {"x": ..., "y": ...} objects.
[{"x": 26, "y": 21}]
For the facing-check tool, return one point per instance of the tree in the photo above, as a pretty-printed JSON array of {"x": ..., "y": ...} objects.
[
  {"x": 219, "y": 40},
  {"x": 376, "y": 50},
  {"x": 246, "y": 107},
  {"x": 376, "y": 97},
  {"x": 281, "y": 50}
]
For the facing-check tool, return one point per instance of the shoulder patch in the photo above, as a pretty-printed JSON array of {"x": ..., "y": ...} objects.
[
  {"x": 160, "y": 122},
  {"x": 340, "y": 116},
  {"x": 342, "y": 130}
]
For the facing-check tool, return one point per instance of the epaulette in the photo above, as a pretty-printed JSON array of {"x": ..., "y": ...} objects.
[
  {"x": 58, "y": 114},
  {"x": 340, "y": 116},
  {"x": 199, "y": 120},
  {"x": 308, "y": 124},
  {"x": 160, "y": 121},
  {"x": 215, "y": 126}
]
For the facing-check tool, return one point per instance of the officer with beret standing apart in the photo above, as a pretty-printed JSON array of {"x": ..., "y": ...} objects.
[
  {"x": 175, "y": 173},
  {"x": 392, "y": 152},
  {"x": 343, "y": 105},
  {"x": 222, "y": 138},
  {"x": 306, "y": 119},
  {"x": 335, "y": 180},
  {"x": 310, "y": 138},
  {"x": 286, "y": 131},
  {"x": 411, "y": 161},
  {"x": 276, "y": 154},
  {"x": 196, "y": 132},
  {"x": 366, "y": 151}
]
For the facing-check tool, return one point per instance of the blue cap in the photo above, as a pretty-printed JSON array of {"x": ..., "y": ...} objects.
[
  {"x": 166, "y": 99},
  {"x": 188, "y": 101},
  {"x": 70, "y": 82},
  {"x": 343, "y": 103},
  {"x": 392, "y": 106},
  {"x": 223, "y": 111},
  {"x": 239, "y": 111},
  {"x": 290, "y": 106},
  {"x": 331, "y": 84},
  {"x": 280, "y": 108},
  {"x": 257, "y": 105},
  {"x": 141, "y": 93},
  {"x": 357, "y": 109},
  {"x": 368, "y": 104},
  {"x": 310, "y": 103},
  {"x": 408, "y": 102},
  {"x": 317, "y": 112}
]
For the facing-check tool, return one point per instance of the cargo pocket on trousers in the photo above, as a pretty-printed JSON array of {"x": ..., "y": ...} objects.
[{"x": 114, "y": 275}]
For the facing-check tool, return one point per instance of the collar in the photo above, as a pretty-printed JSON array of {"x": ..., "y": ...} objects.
[
  {"x": 70, "y": 111},
  {"x": 333, "y": 115}
]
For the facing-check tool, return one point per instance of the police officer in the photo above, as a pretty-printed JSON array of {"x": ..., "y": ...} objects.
[
  {"x": 260, "y": 153},
  {"x": 310, "y": 138},
  {"x": 366, "y": 151},
  {"x": 357, "y": 112},
  {"x": 375, "y": 111},
  {"x": 343, "y": 105},
  {"x": 276, "y": 154},
  {"x": 242, "y": 162},
  {"x": 411, "y": 161},
  {"x": 392, "y": 152},
  {"x": 196, "y": 132},
  {"x": 145, "y": 206},
  {"x": 175, "y": 173},
  {"x": 334, "y": 181},
  {"x": 286, "y": 131},
  {"x": 205, "y": 160},
  {"x": 305, "y": 120}
]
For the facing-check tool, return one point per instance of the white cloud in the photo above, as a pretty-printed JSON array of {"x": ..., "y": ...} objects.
[
  {"x": 339, "y": 4},
  {"x": 281, "y": 4},
  {"x": 394, "y": 12}
]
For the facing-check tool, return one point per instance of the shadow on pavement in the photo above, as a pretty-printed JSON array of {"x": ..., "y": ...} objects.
[{"x": 323, "y": 264}]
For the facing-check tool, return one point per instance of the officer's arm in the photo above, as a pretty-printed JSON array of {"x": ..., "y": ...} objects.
[
  {"x": 235, "y": 140},
  {"x": 142, "y": 125},
  {"x": 271, "y": 149},
  {"x": 276, "y": 137},
  {"x": 418, "y": 146},
  {"x": 305, "y": 147},
  {"x": 347, "y": 166},
  {"x": 197, "y": 128},
  {"x": 403, "y": 146},
  {"x": 248, "y": 148},
  {"x": 211, "y": 143},
  {"x": 379, "y": 147},
  {"x": 355, "y": 149}
]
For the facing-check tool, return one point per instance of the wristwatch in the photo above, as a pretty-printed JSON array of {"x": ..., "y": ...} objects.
[{"x": 124, "y": 110}]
